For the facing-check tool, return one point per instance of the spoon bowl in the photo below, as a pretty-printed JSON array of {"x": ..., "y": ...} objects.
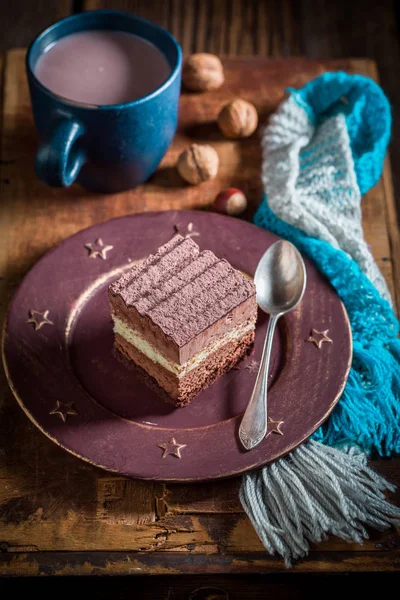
[{"x": 280, "y": 278}]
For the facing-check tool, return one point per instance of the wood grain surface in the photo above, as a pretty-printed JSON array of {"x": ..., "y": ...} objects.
[
  {"x": 251, "y": 586},
  {"x": 21, "y": 21},
  {"x": 63, "y": 516}
]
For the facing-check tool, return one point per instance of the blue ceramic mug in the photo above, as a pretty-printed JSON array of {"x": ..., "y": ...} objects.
[{"x": 106, "y": 148}]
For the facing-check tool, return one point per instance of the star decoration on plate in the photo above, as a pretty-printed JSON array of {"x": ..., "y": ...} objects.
[
  {"x": 319, "y": 337},
  {"x": 98, "y": 249},
  {"x": 189, "y": 231},
  {"x": 172, "y": 447},
  {"x": 63, "y": 410},
  {"x": 39, "y": 319},
  {"x": 277, "y": 426}
]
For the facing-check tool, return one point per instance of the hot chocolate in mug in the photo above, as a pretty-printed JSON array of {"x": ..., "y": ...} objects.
[{"x": 104, "y": 88}]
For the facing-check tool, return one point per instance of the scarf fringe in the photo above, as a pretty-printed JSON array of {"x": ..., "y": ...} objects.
[{"x": 313, "y": 492}]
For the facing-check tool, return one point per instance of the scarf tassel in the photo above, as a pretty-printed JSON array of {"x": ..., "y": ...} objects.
[{"x": 315, "y": 491}]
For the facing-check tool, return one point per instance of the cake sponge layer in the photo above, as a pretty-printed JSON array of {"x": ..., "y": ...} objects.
[{"x": 180, "y": 391}]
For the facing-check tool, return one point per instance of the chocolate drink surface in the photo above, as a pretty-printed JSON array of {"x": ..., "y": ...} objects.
[{"x": 102, "y": 67}]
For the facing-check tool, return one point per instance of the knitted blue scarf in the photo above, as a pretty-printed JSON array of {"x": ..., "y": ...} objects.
[
  {"x": 368, "y": 413},
  {"x": 322, "y": 150}
]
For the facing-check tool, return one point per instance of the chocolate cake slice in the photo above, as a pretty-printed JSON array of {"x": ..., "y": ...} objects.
[{"x": 184, "y": 316}]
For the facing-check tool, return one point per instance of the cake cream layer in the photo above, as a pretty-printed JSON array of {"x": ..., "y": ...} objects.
[
  {"x": 181, "y": 390},
  {"x": 136, "y": 339},
  {"x": 182, "y": 300}
]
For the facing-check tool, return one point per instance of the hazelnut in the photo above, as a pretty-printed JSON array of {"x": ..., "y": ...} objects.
[
  {"x": 230, "y": 202},
  {"x": 238, "y": 119},
  {"x": 198, "y": 163},
  {"x": 202, "y": 72}
]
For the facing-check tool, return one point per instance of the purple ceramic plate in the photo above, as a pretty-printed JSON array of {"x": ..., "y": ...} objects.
[{"x": 58, "y": 357}]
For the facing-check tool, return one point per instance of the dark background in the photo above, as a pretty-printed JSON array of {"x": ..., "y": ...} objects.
[
  {"x": 276, "y": 28},
  {"x": 313, "y": 28}
]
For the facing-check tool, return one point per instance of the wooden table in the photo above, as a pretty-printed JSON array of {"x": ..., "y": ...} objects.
[{"x": 61, "y": 516}]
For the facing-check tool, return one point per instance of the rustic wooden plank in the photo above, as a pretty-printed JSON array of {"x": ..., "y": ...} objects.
[
  {"x": 291, "y": 34},
  {"x": 181, "y": 23},
  {"x": 2, "y": 278},
  {"x": 187, "y": 26},
  {"x": 234, "y": 27},
  {"x": 156, "y": 11},
  {"x": 377, "y": 211},
  {"x": 214, "y": 23},
  {"x": 74, "y": 531},
  {"x": 126, "y": 501},
  {"x": 208, "y": 498},
  {"x": 21, "y": 21},
  {"x": 253, "y": 586},
  {"x": 48, "y": 499},
  {"x": 245, "y": 23},
  {"x": 167, "y": 563},
  {"x": 198, "y": 26},
  {"x": 392, "y": 216},
  {"x": 262, "y": 33},
  {"x": 123, "y": 520},
  {"x": 393, "y": 229}
]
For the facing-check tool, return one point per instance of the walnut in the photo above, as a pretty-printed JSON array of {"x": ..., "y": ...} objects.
[
  {"x": 202, "y": 72},
  {"x": 198, "y": 163},
  {"x": 238, "y": 119}
]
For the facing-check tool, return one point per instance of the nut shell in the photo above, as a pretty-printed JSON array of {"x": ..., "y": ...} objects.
[
  {"x": 198, "y": 163},
  {"x": 202, "y": 72},
  {"x": 238, "y": 119}
]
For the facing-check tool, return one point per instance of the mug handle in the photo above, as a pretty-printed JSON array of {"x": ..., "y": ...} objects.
[{"x": 58, "y": 160}]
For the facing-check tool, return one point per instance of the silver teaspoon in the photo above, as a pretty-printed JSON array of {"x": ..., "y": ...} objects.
[{"x": 280, "y": 282}]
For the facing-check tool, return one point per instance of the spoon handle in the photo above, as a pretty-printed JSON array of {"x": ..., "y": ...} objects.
[{"x": 253, "y": 427}]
